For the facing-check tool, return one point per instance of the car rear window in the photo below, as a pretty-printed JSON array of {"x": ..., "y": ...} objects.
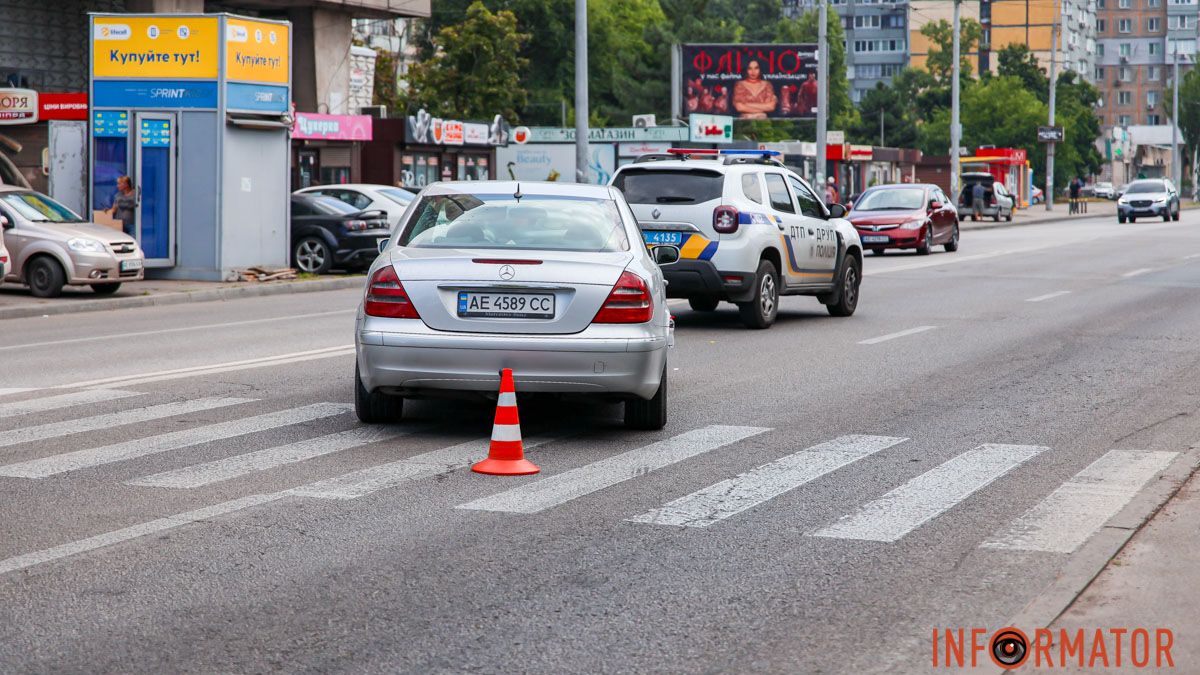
[
  {"x": 532, "y": 222},
  {"x": 669, "y": 186}
]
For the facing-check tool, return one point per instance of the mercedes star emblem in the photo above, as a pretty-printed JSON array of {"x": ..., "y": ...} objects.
[
  {"x": 656, "y": 213},
  {"x": 507, "y": 272}
]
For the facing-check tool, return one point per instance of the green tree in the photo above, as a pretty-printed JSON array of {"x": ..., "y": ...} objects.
[
  {"x": 998, "y": 111},
  {"x": 475, "y": 70},
  {"x": 941, "y": 52},
  {"x": 883, "y": 106},
  {"x": 1015, "y": 60},
  {"x": 1189, "y": 116},
  {"x": 1075, "y": 112}
]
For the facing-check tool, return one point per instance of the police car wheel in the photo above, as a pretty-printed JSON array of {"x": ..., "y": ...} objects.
[
  {"x": 701, "y": 303},
  {"x": 761, "y": 311}
]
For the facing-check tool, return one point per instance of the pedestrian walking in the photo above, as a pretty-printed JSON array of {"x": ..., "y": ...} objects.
[
  {"x": 123, "y": 205},
  {"x": 978, "y": 196},
  {"x": 1074, "y": 188},
  {"x": 831, "y": 191}
]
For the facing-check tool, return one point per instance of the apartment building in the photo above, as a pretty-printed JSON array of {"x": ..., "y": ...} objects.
[
  {"x": 1031, "y": 23},
  {"x": 1136, "y": 44},
  {"x": 877, "y": 34},
  {"x": 923, "y": 12}
]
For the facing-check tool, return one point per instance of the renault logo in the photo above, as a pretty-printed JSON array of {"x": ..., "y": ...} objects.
[
  {"x": 656, "y": 213},
  {"x": 507, "y": 272}
]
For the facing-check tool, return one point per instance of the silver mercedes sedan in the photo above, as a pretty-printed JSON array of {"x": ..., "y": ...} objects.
[{"x": 551, "y": 280}]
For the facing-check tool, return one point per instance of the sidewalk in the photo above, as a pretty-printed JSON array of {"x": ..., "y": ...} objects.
[
  {"x": 1154, "y": 582},
  {"x": 16, "y": 301},
  {"x": 1037, "y": 213}
]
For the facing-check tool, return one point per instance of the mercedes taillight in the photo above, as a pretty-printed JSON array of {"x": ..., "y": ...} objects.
[
  {"x": 628, "y": 302},
  {"x": 386, "y": 296}
]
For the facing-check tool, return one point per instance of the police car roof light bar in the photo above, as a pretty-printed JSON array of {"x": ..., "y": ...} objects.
[
  {"x": 691, "y": 151},
  {"x": 763, "y": 153}
]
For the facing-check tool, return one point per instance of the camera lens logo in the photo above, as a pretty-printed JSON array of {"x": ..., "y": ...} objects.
[{"x": 1009, "y": 648}]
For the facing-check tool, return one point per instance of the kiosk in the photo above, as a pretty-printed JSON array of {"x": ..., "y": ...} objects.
[{"x": 195, "y": 109}]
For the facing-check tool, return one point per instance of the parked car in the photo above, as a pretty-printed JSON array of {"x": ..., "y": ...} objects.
[
  {"x": 1104, "y": 191},
  {"x": 51, "y": 246},
  {"x": 750, "y": 229},
  {"x": 1149, "y": 197},
  {"x": 328, "y": 233},
  {"x": 998, "y": 202},
  {"x": 551, "y": 280},
  {"x": 367, "y": 197},
  {"x": 1121, "y": 190},
  {"x": 911, "y": 215}
]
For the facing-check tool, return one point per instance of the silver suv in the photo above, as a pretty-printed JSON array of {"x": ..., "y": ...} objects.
[{"x": 50, "y": 246}]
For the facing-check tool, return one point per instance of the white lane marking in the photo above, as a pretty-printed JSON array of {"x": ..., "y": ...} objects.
[
  {"x": 393, "y": 474},
  {"x": 555, "y": 490},
  {"x": 732, "y": 496},
  {"x": 5, "y": 391},
  {"x": 1137, "y": 272},
  {"x": 1192, "y": 256},
  {"x": 159, "y": 376},
  {"x": 118, "y": 452},
  {"x": 893, "y": 336},
  {"x": 239, "y": 465},
  {"x": 42, "y": 432},
  {"x": 63, "y": 401},
  {"x": 1066, "y": 518},
  {"x": 1048, "y": 296},
  {"x": 132, "y": 532},
  {"x": 182, "y": 329},
  {"x": 925, "y": 497}
]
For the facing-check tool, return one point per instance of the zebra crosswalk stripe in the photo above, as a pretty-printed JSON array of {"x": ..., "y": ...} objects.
[
  {"x": 44, "y": 432},
  {"x": 555, "y": 490},
  {"x": 82, "y": 459},
  {"x": 48, "y": 403},
  {"x": 239, "y": 465},
  {"x": 929, "y": 495},
  {"x": 1071, "y": 514},
  {"x": 734, "y": 495},
  {"x": 386, "y": 476}
]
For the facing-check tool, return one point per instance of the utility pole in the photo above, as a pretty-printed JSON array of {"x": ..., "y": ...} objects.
[
  {"x": 822, "y": 95},
  {"x": 1175, "y": 158},
  {"x": 581, "y": 92},
  {"x": 1053, "y": 87},
  {"x": 881, "y": 143},
  {"x": 955, "y": 124}
]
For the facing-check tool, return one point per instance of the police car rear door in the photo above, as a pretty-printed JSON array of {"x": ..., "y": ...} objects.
[
  {"x": 822, "y": 236},
  {"x": 794, "y": 235}
]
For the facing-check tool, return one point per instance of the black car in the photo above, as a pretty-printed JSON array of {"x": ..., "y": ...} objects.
[{"x": 328, "y": 233}]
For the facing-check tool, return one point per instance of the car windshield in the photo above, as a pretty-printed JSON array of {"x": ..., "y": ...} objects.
[
  {"x": 537, "y": 222},
  {"x": 39, "y": 208},
  {"x": 669, "y": 186},
  {"x": 333, "y": 207},
  {"x": 401, "y": 197},
  {"x": 1146, "y": 186},
  {"x": 898, "y": 199}
]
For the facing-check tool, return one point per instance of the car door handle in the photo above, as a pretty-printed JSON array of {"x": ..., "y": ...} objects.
[{"x": 810, "y": 231}]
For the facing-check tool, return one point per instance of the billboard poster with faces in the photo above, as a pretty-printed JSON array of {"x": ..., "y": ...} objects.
[{"x": 750, "y": 81}]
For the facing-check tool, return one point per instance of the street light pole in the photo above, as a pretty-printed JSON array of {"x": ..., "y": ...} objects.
[
  {"x": 955, "y": 125},
  {"x": 822, "y": 94},
  {"x": 581, "y": 91},
  {"x": 1053, "y": 87},
  {"x": 881, "y": 143},
  {"x": 1175, "y": 159}
]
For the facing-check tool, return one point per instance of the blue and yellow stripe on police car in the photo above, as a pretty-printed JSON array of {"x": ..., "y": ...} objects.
[
  {"x": 794, "y": 269},
  {"x": 695, "y": 247}
]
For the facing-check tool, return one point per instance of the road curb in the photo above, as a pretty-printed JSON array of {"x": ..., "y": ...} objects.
[
  {"x": 1093, "y": 557},
  {"x": 249, "y": 290}
]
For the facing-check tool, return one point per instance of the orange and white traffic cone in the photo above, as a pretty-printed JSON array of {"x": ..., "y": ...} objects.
[{"x": 506, "y": 455}]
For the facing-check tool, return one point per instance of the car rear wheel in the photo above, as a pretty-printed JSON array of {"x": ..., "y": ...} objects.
[
  {"x": 312, "y": 255},
  {"x": 45, "y": 277},
  {"x": 648, "y": 415},
  {"x": 1009, "y": 216},
  {"x": 105, "y": 289},
  {"x": 1176, "y": 216},
  {"x": 702, "y": 303},
  {"x": 761, "y": 311},
  {"x": 846, "y": 299},
  {"x": 996, "y": 217},
  {"x": 952, "y": 245},
  {"x": 375, "y": 407}
]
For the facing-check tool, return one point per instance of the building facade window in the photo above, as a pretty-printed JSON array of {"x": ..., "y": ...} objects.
[
  {"x": 1153, "y": 49},
  {"x": 1101, "y": 25},
  {"x": 1125, "y": 49},
  {"x": 1124, "y": 120},
  {"x": 1124, "y": 25},
  {"x": 1099, "y": 74},
  {"x": 1153, "y": 25},
  {"x": 1124, "y": 98},
  {"x": 1153, "y": 73},
  {"x": 1125, "y": 74},
  {"x": 1124, "y": 4},
  {"x": 1154, "y": 119},
  {"x": 869, "y": 21}
]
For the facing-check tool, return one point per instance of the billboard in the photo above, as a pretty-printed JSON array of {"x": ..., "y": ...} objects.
[
  {"x": 155, "y": 47},
  {"x": 256, "y": 51},
  {"x": 554, "y": 162},
  {"x": 750, "y": 81}
]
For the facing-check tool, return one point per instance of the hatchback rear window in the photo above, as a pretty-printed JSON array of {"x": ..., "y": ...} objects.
[
  {"x": 532, "y": 222},
  {"x": 670, "y": 186}
]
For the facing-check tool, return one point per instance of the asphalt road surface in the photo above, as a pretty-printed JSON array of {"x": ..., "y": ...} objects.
[{"x": 186, "y": 489}]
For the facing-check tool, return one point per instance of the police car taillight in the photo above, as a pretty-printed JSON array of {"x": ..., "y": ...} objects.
[
  {"x": 725, "y": 219},
  {"x": 386, "y": 296},
  {"x": 628, "y": 302}
]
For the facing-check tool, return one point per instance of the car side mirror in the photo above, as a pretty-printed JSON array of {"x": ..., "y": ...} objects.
[
  {"x": 837, "y": 211},
  {"x": 934, "y": 204},
  {"x": 666, "y": 255},
  {"x": 383, "y": 244}
]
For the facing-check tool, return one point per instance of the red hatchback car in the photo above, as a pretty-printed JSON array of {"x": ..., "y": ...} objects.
[{"x": 910, "y": 215}]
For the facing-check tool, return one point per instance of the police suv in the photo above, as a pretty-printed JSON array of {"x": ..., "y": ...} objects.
[{"x": 748, "y": 229}]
